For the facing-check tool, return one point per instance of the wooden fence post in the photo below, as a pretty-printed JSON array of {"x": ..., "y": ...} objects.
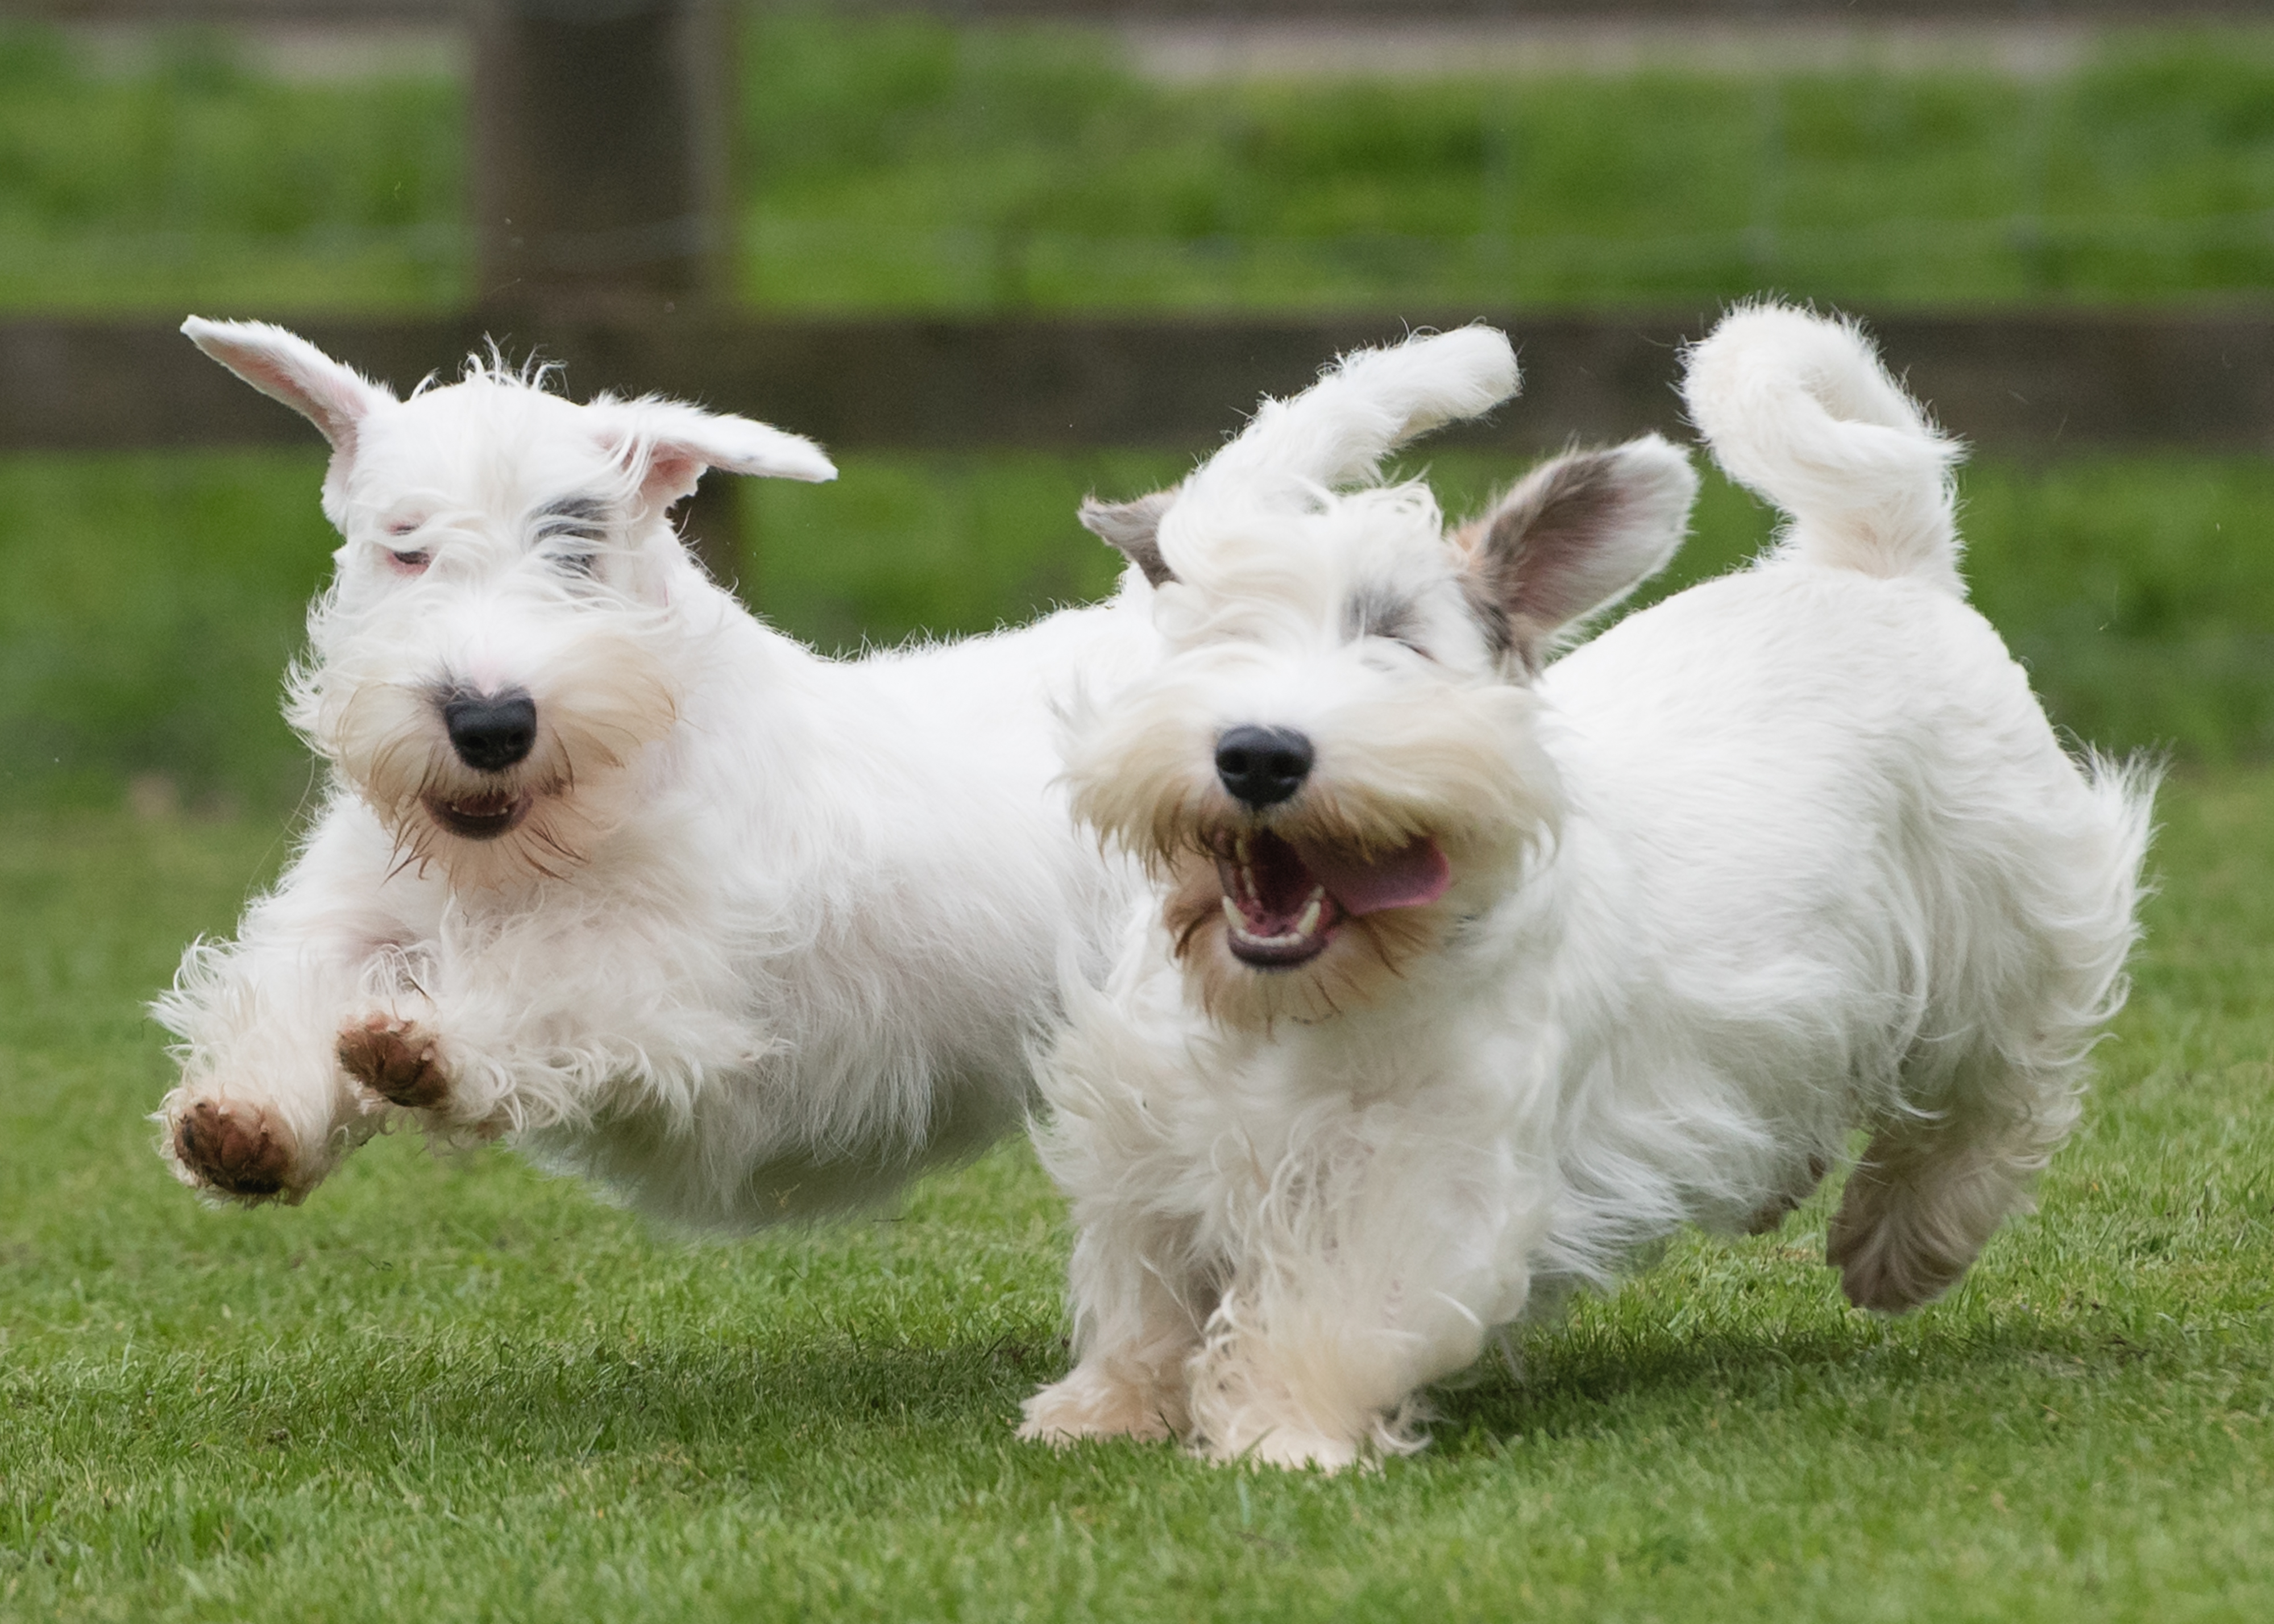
[{"x": 602, "y": 135}]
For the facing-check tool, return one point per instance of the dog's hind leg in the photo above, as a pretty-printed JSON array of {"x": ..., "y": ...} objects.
[
  {"x": 2037, "y": 983},
  {"x": 1769, "y": 1216},
  {"x": 1932, "y": 1189}
]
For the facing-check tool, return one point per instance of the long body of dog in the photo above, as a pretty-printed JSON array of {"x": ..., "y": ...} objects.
[
  {"x": 1471, "y": 973},
  {"x": 609, "y": 866}
]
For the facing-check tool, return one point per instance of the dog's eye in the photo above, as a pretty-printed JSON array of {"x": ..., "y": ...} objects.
[
  {"x": 561, "y": 525},
  {"x": 583, "y": 516},
  {"x": 410, "y": 563},
  {"x": 1387, "y": 616},
  {"x": 404, "y": 527}
]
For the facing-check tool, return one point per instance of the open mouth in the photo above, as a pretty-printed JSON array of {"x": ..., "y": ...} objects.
[
  {"x": 1283, "y": 901},
  {"x": 478, "y": 818}
]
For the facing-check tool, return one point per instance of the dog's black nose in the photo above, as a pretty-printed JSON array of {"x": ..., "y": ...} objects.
[
  {"x": 491, "y": 732},
  {"x": 1262, "y": 766}
]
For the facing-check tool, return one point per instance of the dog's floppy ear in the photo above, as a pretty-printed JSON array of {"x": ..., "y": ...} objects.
[
  {"x": 1365, "y": 405},
  {"x": 286, "y": 367},
  {"x": 1576, "y": 535},
  {"x": 668, "y": 445},
  {"x": 1133, "y": 528}
]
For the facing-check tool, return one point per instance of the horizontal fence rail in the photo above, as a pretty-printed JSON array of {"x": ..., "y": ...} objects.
[{"x": 2029, "y": 382}]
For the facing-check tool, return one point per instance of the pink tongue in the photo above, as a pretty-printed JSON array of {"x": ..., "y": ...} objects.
[{"x": 1405, "y": 878}]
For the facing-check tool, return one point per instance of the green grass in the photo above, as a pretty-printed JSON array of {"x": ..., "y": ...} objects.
[
  {"x": 908, "y": 163},
  {"x": 453, "y": 1388},
  {"x": 155, "y": 599}
]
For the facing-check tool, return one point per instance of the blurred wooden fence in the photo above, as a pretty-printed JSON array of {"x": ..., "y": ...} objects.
[
  {"x": 603, "y": 224},
  {"x": 2027, "y": 381}
]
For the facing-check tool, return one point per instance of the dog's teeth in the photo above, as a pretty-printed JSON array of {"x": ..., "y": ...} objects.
[
  {"x": 1232, "y": 916},
  {"x": 1310, "y": 920}
]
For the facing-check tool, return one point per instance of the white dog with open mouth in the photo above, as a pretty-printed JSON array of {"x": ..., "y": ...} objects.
[
  {"x": 606, "y": 864},
  {"x": 1470, "y": 973}
]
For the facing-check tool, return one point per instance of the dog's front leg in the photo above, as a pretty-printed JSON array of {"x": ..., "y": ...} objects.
[
  {"x": 262, "y": 1110},
  {"x": 440, "y": 1051},
  {"x": 1285, "y": 1379},
  {"x": 1341, "y": 1314},
  {"x": 534, "y": 1020},
  {"x": 453, "y": 1051},
  {"x": 1138, "y": 1310}
]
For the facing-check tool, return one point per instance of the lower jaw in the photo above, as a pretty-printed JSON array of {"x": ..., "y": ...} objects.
[
  {"x": 1274, "y": 956},
  {"x": 478, "y": 824}
]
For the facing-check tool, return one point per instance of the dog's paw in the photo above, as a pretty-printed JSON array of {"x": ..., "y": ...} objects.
[
  {"x": 233, "y": 1148},
  {"x": 1290, "y": 1449},
  {"x": 397, "y": 1060},
  {"x": 1884, "y": 1268},
  {"x": 1089, "y": 1404}
]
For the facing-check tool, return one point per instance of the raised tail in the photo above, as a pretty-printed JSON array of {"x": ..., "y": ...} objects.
[{"x": 1798, "y": 407}]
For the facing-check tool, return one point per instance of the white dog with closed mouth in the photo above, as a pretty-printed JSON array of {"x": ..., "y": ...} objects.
[
  {"x": 606, "y": 864},
  {"x": 1470, "y": 973}
]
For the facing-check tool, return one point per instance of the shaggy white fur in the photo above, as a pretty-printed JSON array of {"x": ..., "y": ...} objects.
[
  {"x": 1468, "y": 975},
  {"x": 606, "y": 864}
]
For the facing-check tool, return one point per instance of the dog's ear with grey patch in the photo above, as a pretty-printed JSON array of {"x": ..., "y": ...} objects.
[
  {"x": 669, "y": 446},
  {"x": 1575, "y": 536},
  {"x": 1133, "y": 528},
  {"x": 286, "y": 367}
]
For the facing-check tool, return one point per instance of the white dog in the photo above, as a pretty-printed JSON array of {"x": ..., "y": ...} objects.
[
  {"x": 1470, "y": 974},
  {"x": 608, "y": 865}
]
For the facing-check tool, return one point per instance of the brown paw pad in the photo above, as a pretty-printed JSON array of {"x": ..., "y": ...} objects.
[
  {"x": 232, "y": 1148},
  {"x": 396, "y": 1061}
]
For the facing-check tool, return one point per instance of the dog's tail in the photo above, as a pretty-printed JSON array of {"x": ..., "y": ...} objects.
[
  {"x": 1364, "y": 406},
  {"x": 1798, "y": 407}
]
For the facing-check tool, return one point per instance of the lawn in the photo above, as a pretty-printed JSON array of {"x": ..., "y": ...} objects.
[{"x": 453, "y": 1388}]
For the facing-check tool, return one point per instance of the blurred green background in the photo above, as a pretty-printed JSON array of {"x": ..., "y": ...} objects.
[
  {"x": 913, "y": 163},
  {"x": 908, "y": 164}
]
